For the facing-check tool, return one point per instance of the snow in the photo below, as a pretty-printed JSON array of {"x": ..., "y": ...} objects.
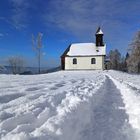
[
  {"x": 86, "y": 49},
  {"x": 100, "y": 32},
  {"x": 70, "y": 105},
  {"x": 129, "y": 86}
]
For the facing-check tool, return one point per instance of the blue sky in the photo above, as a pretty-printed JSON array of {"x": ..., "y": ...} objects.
[{"x": 63, "y": 22}]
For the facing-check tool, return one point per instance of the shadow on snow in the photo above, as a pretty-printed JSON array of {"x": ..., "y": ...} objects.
[{"x": 109, "y": 120}]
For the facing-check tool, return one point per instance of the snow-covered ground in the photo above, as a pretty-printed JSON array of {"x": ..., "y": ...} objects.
[
  {"x": 66, "y": 105},
  {"x": 129, "y": 85}
]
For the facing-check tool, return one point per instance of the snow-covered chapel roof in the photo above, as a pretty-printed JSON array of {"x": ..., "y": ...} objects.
[{"x": 85, "y": 49}]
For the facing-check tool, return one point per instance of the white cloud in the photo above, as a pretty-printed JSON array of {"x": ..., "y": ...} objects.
[
  {"x": 83, "y": 16},
  {"x": 1, "y": 35},
  {"x": 18, "y": 2},
  {"x": 19, "y": 13},
  {"x": 70, "y": 15}
]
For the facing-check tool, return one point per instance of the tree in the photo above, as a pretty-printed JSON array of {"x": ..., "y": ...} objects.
[
  {"x": 133, "y": 62},
  {"x": 123, "y": 66},
  {"x": 1, "y": 69},
  {"x": 37, "y": 46},
  {"x": 16, "y": 64},
  {"x": 115, "y": 58}
]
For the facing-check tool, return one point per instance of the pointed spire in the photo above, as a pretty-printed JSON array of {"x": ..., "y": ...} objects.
[
  {"x": 99, "y": 31},
  {"x": 99, "y": 37}
]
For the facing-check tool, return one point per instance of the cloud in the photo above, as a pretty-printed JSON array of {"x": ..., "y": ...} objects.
[
  {"x": 84, "y": 16},
  {"x": 70, "y": 15},
  {"x": 1, "y": 35},
  {"x": 19, "y": 13}
]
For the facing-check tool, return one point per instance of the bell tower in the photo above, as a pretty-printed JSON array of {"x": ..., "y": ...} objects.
[{"x": 99, "y": 37}]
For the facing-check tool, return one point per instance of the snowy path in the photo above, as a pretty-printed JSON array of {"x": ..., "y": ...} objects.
[
  {"x": 110, "y": 118},
  {"x": 69, "y": 106}
]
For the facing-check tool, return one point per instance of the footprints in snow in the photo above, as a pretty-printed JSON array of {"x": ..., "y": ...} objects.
[
  {"x": 46, "y": 86},
  {"x": 42, "y": 110},
  {"x": 35, "y": 118},
  {"x": 7, "y": 98},
  {"x": 56, "y": 86}
]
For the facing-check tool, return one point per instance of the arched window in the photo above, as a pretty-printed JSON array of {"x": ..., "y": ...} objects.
[
  {"x": 93, "y": 61},
  {"x": 74, "y": 61}
]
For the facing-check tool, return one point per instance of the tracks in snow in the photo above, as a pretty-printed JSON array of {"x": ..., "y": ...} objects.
[
  {"x": 89, "y": 110},
  {"x": 40, "y": 113},
  {"x": 109, "y": 116},
  {"x": 100, "y": 117},
  {"x": 103, "y": 117}
]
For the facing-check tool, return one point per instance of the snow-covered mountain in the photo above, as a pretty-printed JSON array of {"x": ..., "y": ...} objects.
[{"x": 70, "y": 105}]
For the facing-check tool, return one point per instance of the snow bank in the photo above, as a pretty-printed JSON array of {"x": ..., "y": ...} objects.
[
  {"x": 52, "y": 106},
  {"x": 132, "y": 80},
  {"x": 130, "y": 95}
]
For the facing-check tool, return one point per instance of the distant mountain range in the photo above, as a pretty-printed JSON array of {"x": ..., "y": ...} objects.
[{"x": 28, "y": 70}]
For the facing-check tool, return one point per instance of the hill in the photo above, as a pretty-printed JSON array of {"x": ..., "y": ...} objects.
[{"x": 70, "y": 105}]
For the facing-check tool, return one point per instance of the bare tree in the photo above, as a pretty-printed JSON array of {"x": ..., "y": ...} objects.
[
  {"x": 133, "y": 62},
  {"x": 17, "y": 64},
  {"x": 115, "y": 58},
  {"x": 1, "y": 68},
  {"x": 37, "y": 47}
]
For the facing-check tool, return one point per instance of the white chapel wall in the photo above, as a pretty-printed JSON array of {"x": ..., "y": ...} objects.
[{"x": 84, "y": 63}]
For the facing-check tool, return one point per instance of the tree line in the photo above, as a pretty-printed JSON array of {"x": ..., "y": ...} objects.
[{"x": 130, "y": 63}]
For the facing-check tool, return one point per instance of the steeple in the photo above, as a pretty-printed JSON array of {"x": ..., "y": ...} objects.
[{"x": 99, "y": 37}]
